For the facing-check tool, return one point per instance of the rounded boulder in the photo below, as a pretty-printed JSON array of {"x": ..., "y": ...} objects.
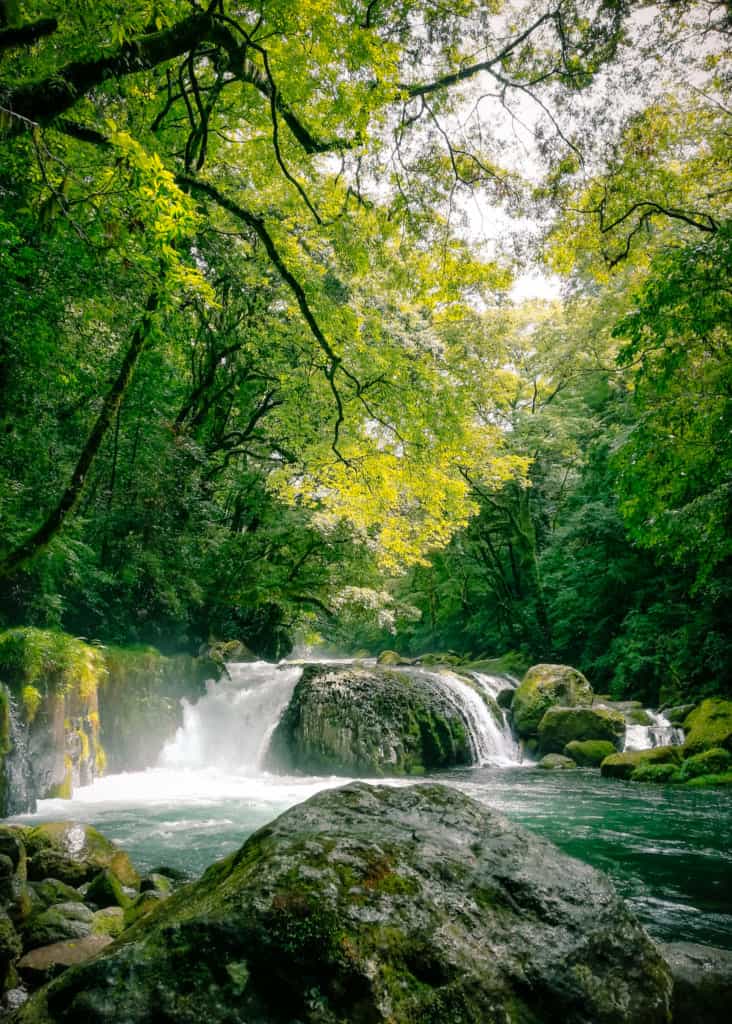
[
  {"x": 379, "y": 904},
  {"x": 543, "y": 687}
]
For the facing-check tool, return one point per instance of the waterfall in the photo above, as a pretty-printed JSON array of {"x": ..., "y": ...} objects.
[
  {"x": 491, "y": 743},
  {"x": 230, "y": 726},
  {"x": 660, "y": 733},
  {"x": 20, "y": 791}
]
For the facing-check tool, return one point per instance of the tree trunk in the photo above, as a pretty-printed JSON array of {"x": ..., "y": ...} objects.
[{"x": 45, "y": 533}]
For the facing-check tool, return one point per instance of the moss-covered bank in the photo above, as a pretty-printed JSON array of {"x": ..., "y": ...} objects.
[{"x": 70, "y": 709}]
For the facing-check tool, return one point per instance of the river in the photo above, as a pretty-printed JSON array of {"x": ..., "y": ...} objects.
[{"x": 668, "y": 849}]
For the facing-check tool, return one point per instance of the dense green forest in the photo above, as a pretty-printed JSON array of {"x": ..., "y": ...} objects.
[{"x": 262, "y": 371}]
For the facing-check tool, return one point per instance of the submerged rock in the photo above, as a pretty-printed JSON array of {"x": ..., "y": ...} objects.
[
  {"x": 702, "y": 982},
  {"x": 542, "y": 687},
  {"x": 560, "y": 726},
  {"x": 368, "y": 721},
  {"x": 375, "y": 905}
]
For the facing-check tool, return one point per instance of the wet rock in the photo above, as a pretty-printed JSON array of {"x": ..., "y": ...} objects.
[
  {"x": 702, "y": 978},
  {"x": 373, "y": 905},
  {"x": 60, "y": 922},
  {"x": 552, "y": 762},
  {"x": 11, "y": 846},
  {"x": 560, "y": 726},
  {"x": 10, "y": 947},
  {"x": 145, "y": 903},
  {"x": 622, "y": 766},
  {"x": 74, "y": 854},
  {"x": 543, "y": 687},
  {"x": 368, "y": 721},
  {"x": 589, "y": 753},
  {"x": 109, "y": 921},
  {"x": 46, "y": 962},
  {"x": 156, "y": 882},
  {"x": 105, "y": 890},
  {"x": 51, "y": 891}
]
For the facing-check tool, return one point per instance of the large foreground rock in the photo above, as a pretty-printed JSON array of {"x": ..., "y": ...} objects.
[
  {"x": 702, "y": 982},
  {"x": 369, "y": 721},
  {"x": 372, "y": 905},
  {"x": 543, "y": 687}
]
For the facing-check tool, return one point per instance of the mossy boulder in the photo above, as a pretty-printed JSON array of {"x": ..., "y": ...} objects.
[
  {"x": 560, "y": 726},
  {"x": 554, "y": 762},
  {"x": 543, "y": 687},
  {"x": 155, "y": 882},
  {"x": 58, "y": 923},
  {"x": 715, "y": 761},
  {"x": 392, "y": 658},
  {"x": 74, "y": 854},
  {"x": 52, "y": 890},
  {"x": 10, "y": 947},
  {"x": 375, "y": 904},
  {"x": 105, "y": 890},
  {"x": 143, "y": 905},
  {"x": 369, "y": 721},
  {"x": 109, "y": 921},
  {"x": 656, "y": 773},
  {"x": 722, "y": 779},
  {"x": 622, "y": 766},
  {"x": 708, "y": 726},
  {"x": 589, "y": 753}
]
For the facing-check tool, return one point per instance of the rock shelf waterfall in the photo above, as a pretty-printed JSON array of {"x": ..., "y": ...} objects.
[
  {"x": 660, "y": 733},
  {"x": 230, "y": 726},
  {"x": 491, "y": 739}
]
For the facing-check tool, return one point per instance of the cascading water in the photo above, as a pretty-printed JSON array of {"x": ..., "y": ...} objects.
[
  {"x": 503, "y": 738},
  {"x": 660, "y": 733},
  {"x": 491, "y": 743},
  {"x": 230, "y": 726}
]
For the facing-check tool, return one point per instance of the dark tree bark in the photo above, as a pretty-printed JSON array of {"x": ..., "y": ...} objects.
[{"x": 53, "y": 523}]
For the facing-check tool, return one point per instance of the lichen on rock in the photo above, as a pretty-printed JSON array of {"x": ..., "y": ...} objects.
[{"x": 383, "y": 905}]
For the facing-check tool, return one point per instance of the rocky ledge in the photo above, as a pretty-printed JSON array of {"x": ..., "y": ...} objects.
[
  {"x": 369, "y": 721},
  {"x": 375, "y": 905}
]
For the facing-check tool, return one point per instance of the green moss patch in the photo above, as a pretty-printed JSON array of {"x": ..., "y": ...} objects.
[
  {"x": 622, "y": 766},
  {"x": 708, "y": 726},
  {"x": 589, "y": 753}
]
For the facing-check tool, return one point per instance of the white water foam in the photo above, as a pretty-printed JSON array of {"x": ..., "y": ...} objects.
[
  {"x": 660, "y": 733},
  {"x": 230, "y": 726},
  {"x": 491, "y": 744}
]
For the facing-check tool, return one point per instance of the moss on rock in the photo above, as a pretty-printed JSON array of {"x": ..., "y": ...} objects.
[
  {"x": 589, "y": 753},
  {"x": 622, "y": 766},
  {"x": 374, "y": 904},
  {"x": 542, "y": 687},
  {"x": 74, "y": 853},
  {"x": 560, "y": 726},
  {"x": 715, "y": 761},
  {"x": 358, "y": 721},
  {"x": 552, "y": 762},
  {"x": 657, "y": 773},
  {"x": 708, "y": 726}
]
